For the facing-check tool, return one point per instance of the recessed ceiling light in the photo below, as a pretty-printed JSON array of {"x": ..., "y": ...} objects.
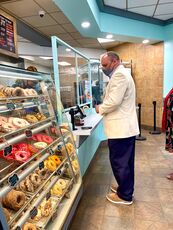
[
  {"x": 63, "y": 63},
  {"x": 46, "y": 58},
  {"x": 145, "y": 41},
  {"x": 109, "y": 36},
  {"x": 85, "y": 24},
  {"x": 104, "y": 40},
  {"x": 68, "y": 50}
]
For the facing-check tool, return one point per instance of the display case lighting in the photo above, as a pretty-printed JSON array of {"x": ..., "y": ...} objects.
[
  {"x": 145, "y": 41},
  {"x": 109, "y": 36},
  {"x": 64, "y": 63}
]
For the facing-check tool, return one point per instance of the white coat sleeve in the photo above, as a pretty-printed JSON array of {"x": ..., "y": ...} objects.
[{"x": 117, "y": 89}]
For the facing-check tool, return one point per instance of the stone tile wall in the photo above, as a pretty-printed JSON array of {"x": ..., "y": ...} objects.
[{"x": 147, "y": 71}]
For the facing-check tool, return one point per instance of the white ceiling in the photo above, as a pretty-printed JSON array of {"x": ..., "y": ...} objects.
[
  {"x": 53, "y": 23},
  {"x": 160, "y": 9}
]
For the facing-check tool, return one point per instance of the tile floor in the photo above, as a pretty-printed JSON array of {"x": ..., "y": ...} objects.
[{"x": 153, "y": 206}]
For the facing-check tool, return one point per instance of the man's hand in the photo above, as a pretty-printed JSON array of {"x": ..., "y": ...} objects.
[{"x": 97, "y": 108}]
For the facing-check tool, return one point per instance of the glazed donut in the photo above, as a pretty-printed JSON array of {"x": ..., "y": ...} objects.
[
  {"x": 40, "y": 116},
  {"x": 35, "y": 179},
  {"x": 40, "y": 145},
  {"x": 7, "y": 214},
  {"x": 29, "y": 226},
  {"x": 3, "y": 119},
  {"x": 32, "y": 149},
  {"x": 18, "y": 92},
  {"x": 38, "y": 216},
  {"x": 32, "y": 92},
  {"x": 46, "y": 208},
  {"x": 31, "y": 118},
  {"x": 2, "y": 94},
  {"x": 50, "y": 165},
  {"x": 14, "y": 200},
  {"x": 61, "y": 183},
  {"x": 22, "y": 156},
  {"x": 47, "y": 139},
  {"x": 55, "y": 159},
  {"x": 57, "y": 190},
  {"x": 43, "y": 173},
  {"x": 19, "y": 123},
  {"x": 70, "y": 147},
  {"x": 7, "y": 127},
  {"x": 75, "y": 165}
]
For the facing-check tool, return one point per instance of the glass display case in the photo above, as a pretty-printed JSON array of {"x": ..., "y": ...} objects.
[{"x": 39, "y": 170}]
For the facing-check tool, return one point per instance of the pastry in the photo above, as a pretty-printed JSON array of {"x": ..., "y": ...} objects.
[
  {"x": 40, "y": 145},
  {"x": 35, "y": 179},
  {"x": 29, "y": 226},
  {"x": 43, "y": 173},
  {"x": 7, "y": 214},
  {"x": 50, "y": 165},
  {"x": 55, "y": 159},
  {"x": 31, "y": 118},
  {"x": 14, "y": 200},
  {"x": 19, "y": 123},
  {"x": 57, "y": 190},
  {"x": 61, "y": 183},
  {"x": 22, "y": 155}
]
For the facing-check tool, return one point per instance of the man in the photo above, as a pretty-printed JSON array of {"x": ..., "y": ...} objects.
[{"x": 121, "y": 126}]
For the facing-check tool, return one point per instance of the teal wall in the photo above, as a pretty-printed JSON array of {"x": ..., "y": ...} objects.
[{"x": 89, "y": 147}]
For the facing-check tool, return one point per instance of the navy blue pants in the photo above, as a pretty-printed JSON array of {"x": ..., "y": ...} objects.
[{"x": 122, "y": 156}]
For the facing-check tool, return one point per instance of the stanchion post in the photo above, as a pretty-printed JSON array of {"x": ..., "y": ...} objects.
[
  {"x": 155, "y": 132},
  {"x": 139, "y": 137}
]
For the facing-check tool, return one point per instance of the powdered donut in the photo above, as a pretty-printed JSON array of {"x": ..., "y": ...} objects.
[
  {"x": 40, "y": 145},
  {"x": 61, "y": 183},
  {"x": 7, "y": 127},
  {"x": 19, "y": 123}
]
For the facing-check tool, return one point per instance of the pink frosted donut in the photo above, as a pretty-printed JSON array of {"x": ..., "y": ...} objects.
[
  {"x": 3, "y": 119},
  {"x": 22, "y": 156},
  {"x": 47, "y": 139},
  {"x": 19, "y": 123},
  {"x": 7, "y": 127}
]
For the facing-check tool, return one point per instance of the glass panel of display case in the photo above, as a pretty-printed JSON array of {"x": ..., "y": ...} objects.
[
  {"x": 67, "y": 77},
  {"x": 39, "y": 169}
]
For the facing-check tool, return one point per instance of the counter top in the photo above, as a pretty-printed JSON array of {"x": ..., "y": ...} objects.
[{"x": 92, "y": 120}]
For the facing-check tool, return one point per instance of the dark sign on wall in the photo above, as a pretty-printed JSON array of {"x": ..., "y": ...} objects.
[{"x": 8, "y": 44}]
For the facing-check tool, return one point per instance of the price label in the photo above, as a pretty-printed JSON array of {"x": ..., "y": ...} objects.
[
  {"x": 59, "y": 147},
  {"x": 33, "y": 212},
  {"x": 28, "y": 133},
  {"x": 11, "y": 106},
  {"x": 59, "y": 172},
  {"x": 12, "y": 180},
  {"x": 41, "y": 99},
  {"x": 48, "y": 195},
  {"x": 51, "y": 151},
  {"x": 18, "y": 228},
  {"x": 41, "y": 165},
  {"x": 54, "y": 123},
  {"x": 54, "y": 215},
  {"x": 7, "y": 150}
]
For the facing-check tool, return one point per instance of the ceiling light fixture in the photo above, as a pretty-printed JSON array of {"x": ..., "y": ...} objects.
[
  {"x": 145, "y": 41},
  {"x": 85, "y": 24},
  {"x": 46, "y": 58},
  {"x": 109, "y": 36},
  {"x": 104, "y": 40},
  {"x": 68, "y": 50},
  {"x": 63, "y": 63}
]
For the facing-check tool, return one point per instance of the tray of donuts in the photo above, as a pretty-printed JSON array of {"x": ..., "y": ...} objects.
[
  {"x": 62, "y": 187},
  {"x": 33, "y": 182},
  {"x": 22, "y": 151},
  {"x": 10, "y": 92},
  {"x": 44, "y": 212},
  {"x": 12, "y": 202}
]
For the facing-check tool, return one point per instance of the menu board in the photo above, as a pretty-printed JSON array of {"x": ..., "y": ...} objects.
[{"x": 7, "y": 35}]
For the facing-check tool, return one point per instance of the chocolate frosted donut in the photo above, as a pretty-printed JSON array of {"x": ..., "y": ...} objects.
[
  {"x": 14, "y": 200},
  {"x": 18, "y": 92}
]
